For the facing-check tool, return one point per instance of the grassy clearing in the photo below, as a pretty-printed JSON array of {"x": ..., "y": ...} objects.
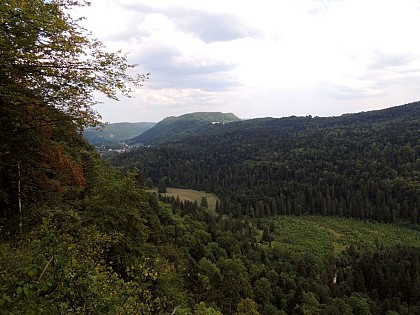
[
  {"x": 331, "y": 235},
  {"x": 190, "y": 194}
]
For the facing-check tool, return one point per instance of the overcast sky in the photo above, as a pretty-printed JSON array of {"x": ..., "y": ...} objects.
[{"x": 262, "y": 58}]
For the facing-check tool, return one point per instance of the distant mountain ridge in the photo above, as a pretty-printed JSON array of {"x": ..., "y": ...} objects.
[
  {"x": 116, "y": 132},
  {"x": 362, "y": 165},
  {"x": 177, "y": 128}
]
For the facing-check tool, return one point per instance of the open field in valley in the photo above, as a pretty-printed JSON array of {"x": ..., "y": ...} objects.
[{"x": 190, "y": 194}]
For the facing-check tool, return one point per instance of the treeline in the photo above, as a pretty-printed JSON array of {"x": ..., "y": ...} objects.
[
  {"x": 362, "y": 165},
  {"x": 175, "y": 128},
  {"x": 106, "y": 246},
  {"x": 231, "y": 268},
  {"x": 78, "y": 237},
  {"x": 119, "y": 250}
]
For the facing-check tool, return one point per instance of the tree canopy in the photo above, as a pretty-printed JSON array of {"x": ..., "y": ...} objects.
[
  {"x": 51, "y": 70},
  {"x": 46, "y": 50},
  {"x": 95, "y": 242},
  {"x": 361, "y": 165}
]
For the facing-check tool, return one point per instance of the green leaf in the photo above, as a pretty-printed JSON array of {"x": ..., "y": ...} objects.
[
  {"x": 32, "y": 272},
  {"x": 7, "y": 298},
  {"x": 27, "y": 291},
  {"x": 43, "y": 287}
]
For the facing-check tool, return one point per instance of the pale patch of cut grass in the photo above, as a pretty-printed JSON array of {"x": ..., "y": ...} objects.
[{"x": 191, "y": 195}]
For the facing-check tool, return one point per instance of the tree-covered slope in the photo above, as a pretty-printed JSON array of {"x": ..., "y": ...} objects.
[
  {"x": 363, "y": 165},
  {"x": 116, "y": 132},
  {"x": 78, "y": 237},
  {"x": 175, "y": 128}
]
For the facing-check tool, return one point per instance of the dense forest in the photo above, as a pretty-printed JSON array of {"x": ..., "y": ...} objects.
[
  {"x": 78, "y": 236},
  {"x": 362, "y": 165},
  {"x": 176, "y": 128}
]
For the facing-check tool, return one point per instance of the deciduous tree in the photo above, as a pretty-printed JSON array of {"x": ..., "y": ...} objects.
[{"x": 50, "y": 70}]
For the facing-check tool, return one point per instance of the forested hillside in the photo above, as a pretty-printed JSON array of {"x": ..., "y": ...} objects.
[
  {"x": 176, "y": 128},
  {"x": 79, "y": 237},
  {"x": 362, "y": 165}
]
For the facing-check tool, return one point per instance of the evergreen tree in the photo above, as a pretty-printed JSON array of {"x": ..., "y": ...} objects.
[
  {"x": 204, "y": 203},
  {"x": 162, "y": 186}
]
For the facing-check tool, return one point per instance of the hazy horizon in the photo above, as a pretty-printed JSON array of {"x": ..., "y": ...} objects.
[{"x": 249, "y": 118}]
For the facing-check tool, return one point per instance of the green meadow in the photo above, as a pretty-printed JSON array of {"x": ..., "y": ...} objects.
[{"x": 332, "y": 235}]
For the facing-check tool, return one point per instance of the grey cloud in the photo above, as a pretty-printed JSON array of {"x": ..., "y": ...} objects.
[
  {"x": 384, "y": 72},
  {"x": 211, "y": 27},
  {"x": 410, "y": 80},
  {"x": 137, "y": 7},
  {"x": 383, "y": 61},
  {"x": 168, "y": 71},
  {"x": 389, "y": 70},
  {"x": 166, "y": 63},
  {"x": 210, "y": 78},
  {"x": 337, "y": 91},
  {"x": 375, "y": 90}
]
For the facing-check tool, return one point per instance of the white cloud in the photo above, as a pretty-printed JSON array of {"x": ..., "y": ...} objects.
[{"x": 319, "y": 57}]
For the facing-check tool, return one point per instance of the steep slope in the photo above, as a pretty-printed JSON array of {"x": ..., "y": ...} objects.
[
  {"x": 116, "y": 132},
  {"x": 176, "y": 128}
]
